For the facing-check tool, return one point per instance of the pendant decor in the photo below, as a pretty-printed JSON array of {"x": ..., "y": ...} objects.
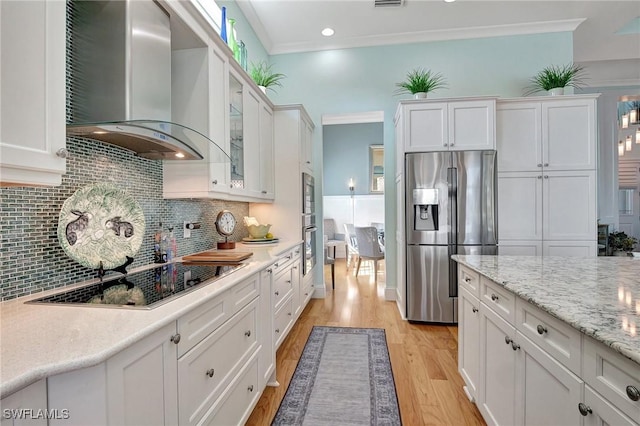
[{"x": 223, "y": 25}]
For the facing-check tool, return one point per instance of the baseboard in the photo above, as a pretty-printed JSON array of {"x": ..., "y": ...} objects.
[
  {"x": 466, "y": 392},
  {"x": 319, "y": 292},
  {"x": 389, "y": 293}
]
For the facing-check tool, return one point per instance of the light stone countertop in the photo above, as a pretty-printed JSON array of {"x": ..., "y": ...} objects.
[
  {"x": 41, "y": 340},
  {"x": 600, "y": 296}
]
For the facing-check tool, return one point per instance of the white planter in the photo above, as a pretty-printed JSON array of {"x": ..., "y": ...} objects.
[
  {"x": 264, "y": 89},
  {"x": 556, "y": 91},
  {"x": 420, "y": 95}
]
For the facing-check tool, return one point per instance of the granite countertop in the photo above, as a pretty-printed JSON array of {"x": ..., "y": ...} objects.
[
  {"x": 40, "y": 340},
  {"x": 600, "y": 296}
]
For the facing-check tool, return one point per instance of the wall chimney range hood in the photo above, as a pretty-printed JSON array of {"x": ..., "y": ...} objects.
[{"x": 120, "y": 60}]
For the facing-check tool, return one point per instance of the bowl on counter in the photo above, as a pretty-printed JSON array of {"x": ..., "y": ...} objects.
[{"x": 258, "y": 231}]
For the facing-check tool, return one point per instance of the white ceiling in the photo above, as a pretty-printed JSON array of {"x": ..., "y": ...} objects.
[{"x": 286, "y": 26}]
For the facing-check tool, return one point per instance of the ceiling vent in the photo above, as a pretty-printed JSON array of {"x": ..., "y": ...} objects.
[{"x": 388, "y": 3}]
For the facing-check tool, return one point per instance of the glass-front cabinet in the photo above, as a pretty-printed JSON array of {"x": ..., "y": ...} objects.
[{"x": 236, "y": 134}]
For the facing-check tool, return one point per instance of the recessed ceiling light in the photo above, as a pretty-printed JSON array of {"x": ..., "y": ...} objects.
[
  {"x": 179, "y": 155},
  {"x": 328, "y": 32},
  {"x": 449, "y": 1}
]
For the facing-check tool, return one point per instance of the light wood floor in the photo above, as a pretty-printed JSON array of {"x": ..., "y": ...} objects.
[{"x": 423, "y": 357}]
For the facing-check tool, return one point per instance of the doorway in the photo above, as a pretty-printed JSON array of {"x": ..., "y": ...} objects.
[{"x": 629, "y": 166}]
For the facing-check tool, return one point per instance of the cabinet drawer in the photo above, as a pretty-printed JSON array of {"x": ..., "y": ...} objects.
[
  {"x": 237, "y": 402},
  {"x": 282, "y": 286},
  {"x": 209, "y": 367},
  {"x": 198, "y": 323},
  {"x": 612, "y": 375},
  {"x": 558, "y": 338},
  {"x": 244, "y": 292},
  {"x": 602, "y": 412},
  {"x": 469, "y": 279},
  {"x": 286, "y": 259},
  {"x": 502, "y": 301},
  {"x": 282, "y": 321}
]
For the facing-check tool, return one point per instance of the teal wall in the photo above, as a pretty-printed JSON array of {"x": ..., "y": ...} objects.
[
  {"x": 244, "y": 32},
  {"x": 363, "y": 79},
  {"x": 345, "y": 154}
]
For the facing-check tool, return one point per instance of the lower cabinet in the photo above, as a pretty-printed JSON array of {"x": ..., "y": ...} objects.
[
  {"x": 23, "y": 407},
  {"x": 533, "y": 369}
]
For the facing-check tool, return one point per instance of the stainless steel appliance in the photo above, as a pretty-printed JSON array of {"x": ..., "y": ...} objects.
[
  {"x": 309, "y": 228},
  {"x": 450, "y": 209}
]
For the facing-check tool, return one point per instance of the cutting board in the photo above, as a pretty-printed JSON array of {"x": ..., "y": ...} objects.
[{"x": 217, "y": 256}]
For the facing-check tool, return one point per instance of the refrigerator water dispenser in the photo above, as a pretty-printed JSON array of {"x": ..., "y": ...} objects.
[{"x": 425, "y": 207}]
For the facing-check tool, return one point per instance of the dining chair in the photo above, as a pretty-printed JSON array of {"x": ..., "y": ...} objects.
[
  {"x": 380, "y": 227},
  {"x": 352, "y": 243},
  {"x": 332, "y": 238},
  {"x": 369, "y": 248}
]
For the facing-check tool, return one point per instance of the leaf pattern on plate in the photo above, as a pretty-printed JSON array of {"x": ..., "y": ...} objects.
[{"x": 101, "y": 222}]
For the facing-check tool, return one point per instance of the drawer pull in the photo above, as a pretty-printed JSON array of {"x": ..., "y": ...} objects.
[
  {"x": 277, "y": 293},
  {"x": 289, "y": 257},
  {"x": 541, "y": 329},
  {"x": 633, "y": 393},
  {"x": 250, "y": 388},
  {"x": 584, "y": 409},
  {"x": 306, "y": 294},
  {"x": 467, "y": 280},
  {"x": 474, "y": 309},
  {"x": 270, "y": 271},
  {"x": 277, "y": 330},
  {"x": 247, "y": 333},
  {"x": 514, "y": 346},
  {"x": 507, "y": 340},
  {"x": 211, "y": 372},
  {"x": 289, "y": 313},
  {"x": 275, "y": 265},
  {"x": 295, "y": 267},
  {"x": 175, "y": 338},
  {"x": 288, "y": 281},
  {"x": 494, "y": 297}
]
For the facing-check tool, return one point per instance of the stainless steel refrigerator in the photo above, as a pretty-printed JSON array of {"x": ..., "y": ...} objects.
[{"x": 450, "y": 208}]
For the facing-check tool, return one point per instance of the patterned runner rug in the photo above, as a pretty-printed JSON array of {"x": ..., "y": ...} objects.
[{"x": 342, "y": 378}]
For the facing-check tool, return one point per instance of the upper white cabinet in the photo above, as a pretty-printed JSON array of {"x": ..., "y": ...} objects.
[
  {"x": 212, "y": 94},
  {"x": 32, "y": 92},
  {"x": 547, "y": 176},
  {"x": 447, "y": 124},
  {"x": 307, "y": 145},
  {"x": 550, "y": 134}
]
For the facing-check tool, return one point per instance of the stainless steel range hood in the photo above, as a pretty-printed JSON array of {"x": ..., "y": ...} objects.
[{"x": 120, "y": 60}]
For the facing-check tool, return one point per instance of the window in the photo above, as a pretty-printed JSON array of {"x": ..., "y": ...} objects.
[{"x": 376, "y": 168}]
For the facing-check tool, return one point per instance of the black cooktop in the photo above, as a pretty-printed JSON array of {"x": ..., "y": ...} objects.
[{"x": 144, "y": 289}]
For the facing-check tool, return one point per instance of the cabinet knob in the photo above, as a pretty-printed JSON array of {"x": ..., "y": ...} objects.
[
  {"x": 289, "y": 313},
  {"x": 270, "y": 271},
  {"x": 62, "y": 153},
  {"x": 514, "y": 346},
  {"x": 539, "y": 164},
  {"x": 277, "y": 330},
  {"x": 289, "y": 281},
  {"x": 250, "y": 388},
  {"x": 247, "y": 333},
  {"x": 633, "y": 393},
  {"x": 264, "y": 192},
  {"x": 306, "y": 294},
  {"x": 494, "y": 297},
  {"x": 210, "y": 372},
  {"x": 277, "y": 293},
  {"x": 445, "y": 144},
  {"x": 546, "y": 176},
  {"x": 175, "y": 338},
  {"x": 474, "y": 309},
  {"x": 295, "y": 267},
  {"x": 215, "y": 182},
  {"x": 539, "y": 177},
  {"x": 308, "y": 162},
  {"x": 546, "y": 164},
  {"x": 507, "y": 340},
  {"x": 584, "y": 409},
  {"x": 541, "y": 329},
  {"x": 467, "y": 280}
]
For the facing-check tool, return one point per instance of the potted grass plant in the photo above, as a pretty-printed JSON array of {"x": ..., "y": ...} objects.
[
  {"x": 419, "y": 82},
  {"x": 262, "y": 74},
  {"x": 620, "y": 243},
  {"x": 554, "y": 78}
]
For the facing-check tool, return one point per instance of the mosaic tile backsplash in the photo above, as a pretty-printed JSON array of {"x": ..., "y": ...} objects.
[{"x": 31, "y": 258}]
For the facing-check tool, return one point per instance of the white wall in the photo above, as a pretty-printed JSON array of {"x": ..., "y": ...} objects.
[{"x": 360, "y": 210}]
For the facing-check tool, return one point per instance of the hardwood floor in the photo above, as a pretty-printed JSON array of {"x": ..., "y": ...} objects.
[{"x": 423, "y": 357}]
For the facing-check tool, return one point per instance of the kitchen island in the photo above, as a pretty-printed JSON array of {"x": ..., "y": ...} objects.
[
  {"x": 546, "y": 340},
  {"x": 74, "y": 346}
]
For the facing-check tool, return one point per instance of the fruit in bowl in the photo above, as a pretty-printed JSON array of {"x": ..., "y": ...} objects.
[{"x": 258, "y": 231}]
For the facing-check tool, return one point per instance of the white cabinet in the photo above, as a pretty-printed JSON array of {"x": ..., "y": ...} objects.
[
  {"x": 469, "y": 342},
  {"x": 267, "y": 160},
  {"x": 142, "y": 381},
  {"x": 550, "y": 134},
  {"x": 22, "y": 407},
  {"x": 267, "y": 357},
  {"x": 597, "y": 411},
  {"x": 306, "y": 136},
  {"x": 547, "y": 176},
  {"x": 32, "y": 92},
  {"x": 447, "y": 125},
  {"x": 292, "y": 128}
]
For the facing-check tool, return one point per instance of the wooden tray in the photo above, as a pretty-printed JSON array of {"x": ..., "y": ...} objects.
[{"x": 217, "y": 256}]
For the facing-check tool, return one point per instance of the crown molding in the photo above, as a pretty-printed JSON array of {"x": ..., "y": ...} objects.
[
  {"x": 256, "y": 24},
  {"x": 427, "y": 36}
]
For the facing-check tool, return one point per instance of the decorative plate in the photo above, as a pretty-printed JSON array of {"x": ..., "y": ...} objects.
[
  {"x": 101, "y": 222},
  {"x": 249, "y": 240}
]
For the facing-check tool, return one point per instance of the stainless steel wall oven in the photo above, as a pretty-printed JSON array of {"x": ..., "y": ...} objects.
[{"x": 309, "y": 228}]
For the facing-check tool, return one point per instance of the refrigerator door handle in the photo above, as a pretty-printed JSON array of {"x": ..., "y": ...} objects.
[{"x": 452, "y": 180}]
